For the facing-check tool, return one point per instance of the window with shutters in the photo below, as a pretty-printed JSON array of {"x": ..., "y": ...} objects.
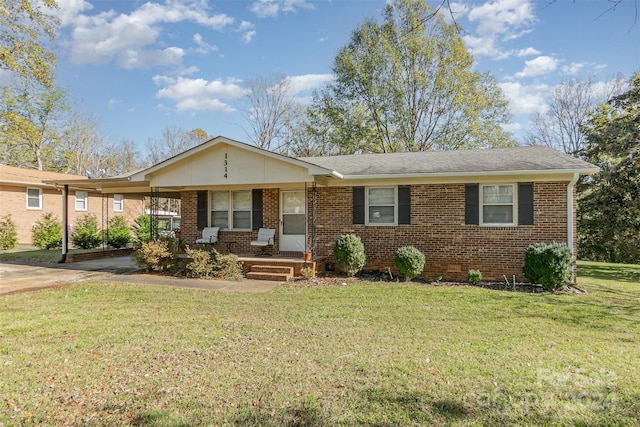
[
  {"x": 498, "y": 205},
  {"x": 381, "y": 205},
  {"x": 231, "y": 210}
]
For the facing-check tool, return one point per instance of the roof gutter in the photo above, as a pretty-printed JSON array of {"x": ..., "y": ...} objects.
[{"x": 473, "y": 174}]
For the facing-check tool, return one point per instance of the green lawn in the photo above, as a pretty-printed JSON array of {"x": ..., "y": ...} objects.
[{"x": 363, "y": 354}]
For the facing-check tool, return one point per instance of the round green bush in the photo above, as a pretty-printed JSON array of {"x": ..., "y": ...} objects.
[
  {"x": 349, "y": 253},
  {"x": 47, "y": 233},
  {"x": 86, "y": 234},
  {"x": 409, "y": 261},
  {"x": 549, "y": 265},
  {"x": 118, "y": 233},
  {"x": 8, "y": 234},
  {"x": 474, "y": 277}
]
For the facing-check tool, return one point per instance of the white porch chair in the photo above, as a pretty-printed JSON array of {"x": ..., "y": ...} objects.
[
  {"x": 209, "y": 235},
  {"x": 266, "y": 237}
]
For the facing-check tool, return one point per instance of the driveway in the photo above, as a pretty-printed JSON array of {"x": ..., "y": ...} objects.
[{"x": 19, "y": 277}]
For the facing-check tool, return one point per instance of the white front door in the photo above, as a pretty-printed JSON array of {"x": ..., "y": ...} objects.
[{"x": 293, "y": 220}]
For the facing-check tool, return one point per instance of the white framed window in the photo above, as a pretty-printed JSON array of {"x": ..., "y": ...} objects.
[
  {"x": 82, "y": 200},
  {"x": 498, "y": 205},
  {"x": 231, "y": 210},
  {"x": 118, "y": 202},
  {"x": 34, "y": 198},
  {"x": 381, "y": 204}
]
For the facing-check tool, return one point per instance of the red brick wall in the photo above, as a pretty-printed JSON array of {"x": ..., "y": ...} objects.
[
  {"x": 438, "y": 229},
  {"x": 14, "y": 202}
]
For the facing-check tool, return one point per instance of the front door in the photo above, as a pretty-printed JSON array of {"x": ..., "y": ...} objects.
[{"x": 293, "y": 221}]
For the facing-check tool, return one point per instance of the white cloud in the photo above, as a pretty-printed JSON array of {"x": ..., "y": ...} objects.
[
  {"x": 498, "y": 21},
  {"x": 271, "y": 8},
  {"x": 68, "y": 10},
  {"x": 501, "y": 16},
  {"x": 199, "y": 94},
  {"x": 538, "y": 66},
  {"x": 248, "y": 31},
  {"x": 308, "y": 82},
  {"x": 525, "y": 99},
  {"x": 127, "y": 38},
  {"x": 529, "y": 51},
  {"x": 203, "y": 46},
  {"x": 113, "y": 102}
]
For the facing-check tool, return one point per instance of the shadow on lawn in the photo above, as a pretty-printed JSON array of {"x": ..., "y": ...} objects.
[{"x": 613, "y": 272}]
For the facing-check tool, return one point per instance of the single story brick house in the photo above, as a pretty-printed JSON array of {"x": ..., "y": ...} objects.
[
  {"x": 465, "y": 209},
  {"x": 27, "y": 194}
]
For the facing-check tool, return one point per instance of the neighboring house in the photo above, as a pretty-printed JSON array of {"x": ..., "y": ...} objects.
[
  {"x": 25, "y": 195},
  {"x": 465, "y": 209}
]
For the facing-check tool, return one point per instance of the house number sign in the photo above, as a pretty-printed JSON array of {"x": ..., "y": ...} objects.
[{"x": 226, "y": 163}]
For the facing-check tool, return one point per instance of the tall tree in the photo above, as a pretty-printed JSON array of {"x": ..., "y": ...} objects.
[
  {"x": 26, "y": 27},
  {"x": 569, "y": 106},
  {"x": 410, "y": 82},
  {"x": 174, "y": 140},
  {"x": 31, "y": 124},
  {"x": 269, "y": 101},
  {"x": 609, "y": 207}
]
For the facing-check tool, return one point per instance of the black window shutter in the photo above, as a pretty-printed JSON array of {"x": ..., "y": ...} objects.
[
  {"x": 358, "y": 205},
  {"x": 525, "y": 203},
  {"x": 471, "y": 204},
  {"x": 404, "y": 204},
  {"x": 256, "y": 209},
  {"x": 202, "y": 209}
]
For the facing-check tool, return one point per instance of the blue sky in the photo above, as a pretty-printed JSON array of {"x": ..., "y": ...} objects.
[{"x": 140, "y": 66}]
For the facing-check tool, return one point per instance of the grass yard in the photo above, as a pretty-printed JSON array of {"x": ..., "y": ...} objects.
[
  {"x": 363, "y": 354},
  {"x": 36, "y": 255}
]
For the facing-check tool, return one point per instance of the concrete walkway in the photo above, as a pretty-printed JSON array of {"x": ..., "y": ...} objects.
[{"x": 20, "y": 277}]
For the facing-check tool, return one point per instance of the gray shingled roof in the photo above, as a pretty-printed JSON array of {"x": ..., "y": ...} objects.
[{"x": 496, "y": 160}]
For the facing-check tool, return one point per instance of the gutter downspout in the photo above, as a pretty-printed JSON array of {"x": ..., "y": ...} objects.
[
  {"x": 570, "y": 221},
  {"x": 65, "y": 224}
]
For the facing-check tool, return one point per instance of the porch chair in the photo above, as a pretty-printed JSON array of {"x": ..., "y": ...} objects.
[
  {"x": 209, "y": 235},
  {"x": 266, "y": 238}
]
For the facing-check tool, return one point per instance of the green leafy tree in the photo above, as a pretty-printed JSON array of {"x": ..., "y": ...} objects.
[
  {"x": 407, "y": 84},
  {"x": 8, "y": 235},
  {"x": 609, "y": 206},
  {"x": 86, "y": 234},
  {"x": 118, "y": 232},
  {"x": 142, "y": 229},
  {"x": 26, "y": 27},
  {"x": 30, "y": 115},
  {"x": 47, "y": 233}
]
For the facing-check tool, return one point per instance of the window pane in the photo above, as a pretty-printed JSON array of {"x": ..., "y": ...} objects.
[
  {"x": 33, "y": 197},
  {"x": 497, "y": 194},
  {"x": 118, "y": 204},
  {"x": 497, "y": 214},
  {"x": 242, "y": 219},
  {"x": 293, "y": 224},
  {"x": 220, "y": 219},
  {"x": 81, "y": 200},
  {"x": 293, "y": 202},
  {"x": 242, "y": 200},
  {"x": 381, "y": 215},
  {"x": 382, "y": 196},
  {"x": 220, "y": 201}
]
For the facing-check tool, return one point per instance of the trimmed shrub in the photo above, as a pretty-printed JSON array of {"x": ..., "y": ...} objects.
[
  {"x": 201, "y": 264},
  {"x": 86, "y": 234},
  {"x": 409, "y": 261},
  {"x": 118, "y": 233},
  {"x": 226, "y": 267},
  {"x": 142, "y": 229},
  {"x": 8, "y": 234},
  {"x": 47, "y": 233},
  {"x": 349, "y": 253},
  {"x": 549, "y": 265},
  {"x": 474, "y": 277},
  {"x": 153, "y": 256}
]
